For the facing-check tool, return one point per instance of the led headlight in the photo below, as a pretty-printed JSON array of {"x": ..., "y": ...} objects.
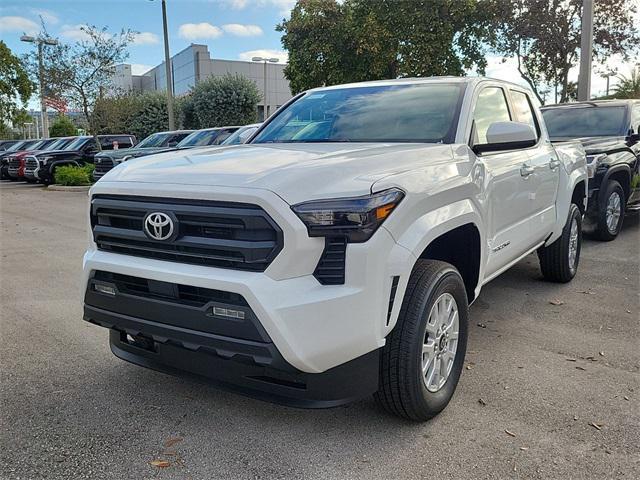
[
  {"x": 356, "y": 218},
  {"x": 593, "y": 162}
]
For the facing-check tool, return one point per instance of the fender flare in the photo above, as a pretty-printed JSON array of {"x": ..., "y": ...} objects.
[{"x": 618, "y": 167}]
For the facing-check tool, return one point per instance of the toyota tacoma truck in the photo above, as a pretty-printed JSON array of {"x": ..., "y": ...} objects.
[
  {"x": 609, "y": 130},
  {"x": 334, "y": 255}
]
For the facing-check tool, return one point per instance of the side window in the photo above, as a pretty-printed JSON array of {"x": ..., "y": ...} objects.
[
  {"x": 523, "y": 110},
  {"x": 491, "y": 107},
  {"x": 635, "y": 117}
]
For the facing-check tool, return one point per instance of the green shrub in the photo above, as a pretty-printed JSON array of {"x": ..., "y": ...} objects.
[
  {"x": 63, "y": 127},
  {"x": 227, "y": 100},
  {"x": 71, "y": 175},
  {"x": 89, "y": 168}
]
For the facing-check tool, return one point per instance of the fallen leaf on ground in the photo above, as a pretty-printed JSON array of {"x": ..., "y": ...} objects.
[
  {"x": 596, "y": 426},
  {"x": 575, "y": 417},
  {"x": 601, "y": 354},
  {"x": 626, "y": 398},
  {"x": 172, "y": 441},
  {"x": 482, "y": 402},
  {"x": 511, "y": 434},
  {"x": 580, "y": 368},
  {"x": 556, "y": 302},
  {"x": 160, "y": 463},
  {"x": 570, "y": 359},
  {"x": 482, "y": 325},
  {"x": 524, "y": 448},
  {"x": 588, "y": 292}
]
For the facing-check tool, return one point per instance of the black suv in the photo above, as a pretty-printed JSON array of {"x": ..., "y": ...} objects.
[
  {"x": 154, "y": 143},
  {"x": 42, "y": 165},
  {"x": 609, "y": 130}
]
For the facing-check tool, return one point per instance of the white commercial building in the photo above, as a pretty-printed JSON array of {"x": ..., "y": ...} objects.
[{"x": 194, "y": 64}]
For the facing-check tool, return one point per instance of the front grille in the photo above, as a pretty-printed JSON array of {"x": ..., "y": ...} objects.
[
  {"x": 103, "y": 165},
  {"x": 31, "y": 164},
  {"x": 14, "y": 163},
  {"x": 218, "y": 234},
  {"x": 331, "y": 267}
]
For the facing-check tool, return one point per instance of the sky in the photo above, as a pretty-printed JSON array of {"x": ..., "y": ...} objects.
[{"x": 232, "y": 29}]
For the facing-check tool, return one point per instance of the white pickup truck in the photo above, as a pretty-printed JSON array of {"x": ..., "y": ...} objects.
[{"x": 335, "y": 255}]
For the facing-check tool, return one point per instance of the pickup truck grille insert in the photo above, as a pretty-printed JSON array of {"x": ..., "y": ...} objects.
[
  {"x": 217, "y": 234},
  {"x": 31, "y": 164},
  {"x": 103, "y": 166},
  {"x": 331, "y": 266},
  {"x": 14, "y": 163}
]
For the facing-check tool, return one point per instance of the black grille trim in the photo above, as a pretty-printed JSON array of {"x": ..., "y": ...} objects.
[
  {"x": 219, "y": 234},
  {"x": 331, "y": 266},
  {"x": 392, "y": 296}
]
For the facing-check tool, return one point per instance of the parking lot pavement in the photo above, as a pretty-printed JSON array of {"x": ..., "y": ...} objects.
[{"x": 551, "y": 387}]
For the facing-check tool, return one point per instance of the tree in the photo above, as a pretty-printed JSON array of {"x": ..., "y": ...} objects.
[
  {"x": 20, "y": 120},
  {"x": 628, "y": 87},
  {"x": 355, "y": 40},
  {"x": 227, "y": 100},
  {"x": 544, "y": 36},
  {"x": 149, "y": 115},
  {"x": 14, "y": 84},
  {"x": 63, "y": 127},
  {"x": 82, "y": 72}
]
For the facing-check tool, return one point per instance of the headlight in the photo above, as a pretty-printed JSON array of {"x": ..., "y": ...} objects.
[
  {"x": 356, "y": 218},
  {"x": 117, "y": 161},
  {"x": 593, "y": 162}
]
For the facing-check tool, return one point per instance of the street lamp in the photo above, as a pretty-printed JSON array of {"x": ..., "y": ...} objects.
[
  {"x": 607, "y": 75},
  {"x": 265, "y": 60},
  {"x": 43, "y": 107},
  {"x": 167, "y": 63}
]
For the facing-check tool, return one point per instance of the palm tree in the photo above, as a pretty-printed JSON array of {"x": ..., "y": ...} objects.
[{"x": 628, "y": 87}]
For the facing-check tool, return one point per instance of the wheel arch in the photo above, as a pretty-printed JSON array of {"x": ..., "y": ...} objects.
[{"x": 622, "y": 175}]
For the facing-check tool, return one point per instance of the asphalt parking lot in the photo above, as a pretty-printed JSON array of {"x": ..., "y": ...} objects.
[{"x": 551, "y": 387}]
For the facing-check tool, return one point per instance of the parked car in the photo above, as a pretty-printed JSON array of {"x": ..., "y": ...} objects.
[
  {"x": 31, "y": 163},
  {"x": 4, "y": 162},
  {"x": 80, "y": 151},
  {"x": 609, "y": 130},
  {"x": 15, "y": 165},
  {"x": 17, "y": 162},
  {"x": 242, "y": 135},
  {"x": 335, "y": 255},
  {"x": 4, "y": 144},
  {"x": 154, "y": 143}
]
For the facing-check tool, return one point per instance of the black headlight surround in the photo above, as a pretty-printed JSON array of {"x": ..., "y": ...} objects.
[{"x": 355, "y": 218}]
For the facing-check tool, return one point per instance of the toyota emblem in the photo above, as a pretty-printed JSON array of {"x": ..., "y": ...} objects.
[{"x": 158, "y": 226}]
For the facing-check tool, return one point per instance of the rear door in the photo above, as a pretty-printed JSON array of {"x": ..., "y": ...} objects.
[
  {"x": 507, "y": 189},
  {"x": 542, "y": 184}
]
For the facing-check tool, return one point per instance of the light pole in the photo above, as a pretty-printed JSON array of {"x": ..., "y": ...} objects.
[
  {"x": 43, "y": 107},
  {"x": 265, "y": 60},
  {"x": 167, "y": 63},
  {"x": 586, "y": 49},
  {"x": 607, "y": 75}
]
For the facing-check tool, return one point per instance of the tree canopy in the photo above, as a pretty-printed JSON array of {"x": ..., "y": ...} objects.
[
  {"x": 226, "y": 100},
  {"x": 63, "y": 127},
  {"x": 15, "y": 85},
  {"x": 356, "y": 40}
]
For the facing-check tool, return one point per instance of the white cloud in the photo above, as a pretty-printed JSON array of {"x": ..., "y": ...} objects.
[
  {"x": 139, "y": 68},
  {"x": 237, "y": 4},
  {"x": 242, "y": 30},
  {"x": 282, "y": 56},
  {"x": 283, "y": 6},
  {"x": 47, "y": 15},
  {"x": 18, "y": 25},
  {"x": 146, "y": 38},
  {"x": 74, "y": 32},
  {"x": 194, "y": 31}
]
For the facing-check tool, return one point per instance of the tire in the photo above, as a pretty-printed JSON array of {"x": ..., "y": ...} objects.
[
  {"x": 403, "y": 389},
  {"x": 559, "y": 261},
  {"x": 611, "y": 207}
]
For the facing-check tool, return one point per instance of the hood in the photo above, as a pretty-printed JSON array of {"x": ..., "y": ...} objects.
[
  {"x": 594, "y": 145},
  {"x": 56, "y": 153},
  {"x": 296, "y": 172},
  {"x": 130, "y": 152}
]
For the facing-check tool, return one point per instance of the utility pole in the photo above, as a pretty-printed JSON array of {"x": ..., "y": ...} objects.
[
  {"x": 264, "y": 61},
  {"x": 586, "y": 49},
  {"x": 167, "y": 62},
  {"x": 44, "y": 120}
]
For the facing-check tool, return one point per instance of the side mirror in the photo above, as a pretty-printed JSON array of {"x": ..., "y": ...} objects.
[{"x": 507, "y": 136}]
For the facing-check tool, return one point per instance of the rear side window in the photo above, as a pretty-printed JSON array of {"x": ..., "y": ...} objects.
[
  {"x": 635, "y": 117},
  {"x": 491, "y": 107},
  {"x": 176, "y": 137},
  {"x": 523, "y": 110}
]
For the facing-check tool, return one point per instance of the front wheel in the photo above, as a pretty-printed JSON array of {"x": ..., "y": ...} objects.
[
  {"x": 422, "y": 359},
  {"x": 559, "y": 261},
  {"x": 610, "y": 211}
]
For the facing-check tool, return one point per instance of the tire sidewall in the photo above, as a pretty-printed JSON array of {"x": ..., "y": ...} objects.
[
  {"x": 447, "y": 280},
  {"x": 611, "y": 187},
  {"x": 574, "y": 213}
]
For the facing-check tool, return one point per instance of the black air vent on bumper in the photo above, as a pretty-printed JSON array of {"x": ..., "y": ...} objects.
[
  {"x": 218, "y": 234},
  {"x": 330, "y": 268}
]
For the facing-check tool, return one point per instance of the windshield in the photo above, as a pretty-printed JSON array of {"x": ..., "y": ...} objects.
[
  {"x": 59, "y": 144},
  {"x": 579, "y": 122},
  {"x": 77, "y": 144},
  {"x": 388, "y": 113},
  {"x": 240, "y": 136},
  {"x": 154, "y": 140},
  {"x": 16, "y": 146},
  {"x": 200, "y": 138}
]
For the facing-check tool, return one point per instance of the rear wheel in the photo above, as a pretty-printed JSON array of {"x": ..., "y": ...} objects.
[
  {"x": 610, "y": 211},
  {"x": 422, "y": 360},
  {"x": 559, "y": 261}
]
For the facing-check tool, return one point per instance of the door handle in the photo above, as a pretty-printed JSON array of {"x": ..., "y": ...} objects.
[
  {"x": 527, "y": 170},
  {"x": 554, "y": 163}
]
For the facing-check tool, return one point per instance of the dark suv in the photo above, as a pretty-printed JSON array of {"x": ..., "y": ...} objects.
[
  {"x": 610, "y": 133},
  {"x": 154, "y": 143},
  {"x": 42, "y": 165}
]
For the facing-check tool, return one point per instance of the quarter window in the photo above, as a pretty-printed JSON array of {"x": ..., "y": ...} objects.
[
  {"x": 491, "y": 107},
  {"x": 523, "y": 111}
]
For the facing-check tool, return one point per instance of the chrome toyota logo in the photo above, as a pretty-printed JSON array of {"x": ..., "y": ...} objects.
[{"x": 158, "y": 226}]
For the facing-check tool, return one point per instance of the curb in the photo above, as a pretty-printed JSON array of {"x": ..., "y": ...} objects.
[{"x": 63, "y": 188}]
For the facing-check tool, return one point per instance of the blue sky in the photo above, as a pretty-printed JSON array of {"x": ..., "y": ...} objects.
[{"x": 233, "y": 29}]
